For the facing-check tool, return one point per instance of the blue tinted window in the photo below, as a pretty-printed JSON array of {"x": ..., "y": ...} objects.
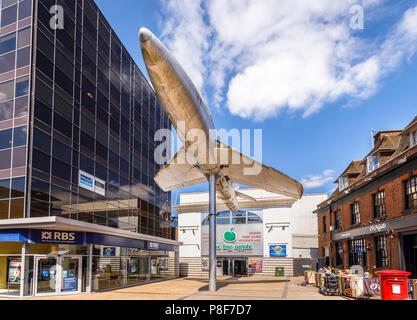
[
  {"x": 4, "y": 188},
  {"x": 18, "y": 187},
  {"x": 8, "y": 15},
  {"x": 19, "y": 137},
  {"x": 5, "y": 139},
  {"x": 42, "y": 140},
  {"x": 25, "y": 9},
  {"x": 239, "y": 217},
  {"x": 8, "y": 43},
  {"x": 62, "y": 151},
  {"x": 22, "y": 86},
  {"x": 7, "y": 62},
  {"x": 254, "y": 218}
]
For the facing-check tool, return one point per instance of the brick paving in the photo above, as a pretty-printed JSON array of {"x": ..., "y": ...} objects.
[{"x": 243, "y": 288}]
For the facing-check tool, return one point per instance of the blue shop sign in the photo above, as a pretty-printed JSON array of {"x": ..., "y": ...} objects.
[
  {"x": 56, "y": 237},
  {"x": 70, "y": 284},
  {"x": 278, "y": 250},
  {"x": 109, "y": 252}
]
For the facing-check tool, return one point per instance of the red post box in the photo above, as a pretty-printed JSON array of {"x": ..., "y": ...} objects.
[{"x": 393, "y": 284}]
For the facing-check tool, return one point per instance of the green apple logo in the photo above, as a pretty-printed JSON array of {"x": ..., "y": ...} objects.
[{"x": 229, "y": 236}]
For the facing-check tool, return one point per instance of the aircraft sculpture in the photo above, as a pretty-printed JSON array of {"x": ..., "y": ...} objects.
[{"x": 218, "y": 164}]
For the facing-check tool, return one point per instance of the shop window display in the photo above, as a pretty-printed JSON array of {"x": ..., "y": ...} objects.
[
  {"x": 10, "y": 268},
  {"x": 158, "y": 264}
]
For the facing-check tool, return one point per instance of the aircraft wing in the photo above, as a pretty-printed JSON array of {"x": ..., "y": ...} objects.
[
  {"x": 235, "y": 166},
  {"x": 178, "y": 174},
  {"x": 246, "y": 171}
]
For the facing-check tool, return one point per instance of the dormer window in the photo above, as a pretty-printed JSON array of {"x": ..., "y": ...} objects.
[
  {"x": 372, "y": 163},
  {"x": 413, "y": 138},
  {"x": 343, "y": 183}
]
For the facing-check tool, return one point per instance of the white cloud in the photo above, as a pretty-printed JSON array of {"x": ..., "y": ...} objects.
[
  {"x": 318, "y": 180},
  {"x": 186, "y": 34},
  {"x": 259, "y": 57}
]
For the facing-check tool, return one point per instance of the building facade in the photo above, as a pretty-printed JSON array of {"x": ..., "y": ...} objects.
[
  {"x": 275, "y": 231},
  {"x": 79, "y": 209},
  {"x": 371, "y": 218}
]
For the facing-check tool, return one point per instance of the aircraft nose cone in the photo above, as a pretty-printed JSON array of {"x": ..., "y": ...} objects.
[{"x": 144, "y": 35}]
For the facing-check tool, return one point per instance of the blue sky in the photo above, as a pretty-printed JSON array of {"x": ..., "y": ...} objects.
[{"x": 298, "y": 71}]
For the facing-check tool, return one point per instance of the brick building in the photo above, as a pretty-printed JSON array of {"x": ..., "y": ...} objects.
[{"x": 371, "y": 218}]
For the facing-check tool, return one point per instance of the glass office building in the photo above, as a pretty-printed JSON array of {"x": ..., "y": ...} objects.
[{"x": 79, "y": 209}]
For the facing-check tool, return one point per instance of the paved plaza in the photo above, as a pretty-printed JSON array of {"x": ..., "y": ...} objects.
[{"x": 243, "y": 288}]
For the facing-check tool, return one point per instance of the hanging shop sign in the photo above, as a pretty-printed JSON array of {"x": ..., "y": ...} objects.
[
  {"x": 234, "y": 240},
  {"x": 92, "y": 183},
  {"x": 278, "y": 250}
]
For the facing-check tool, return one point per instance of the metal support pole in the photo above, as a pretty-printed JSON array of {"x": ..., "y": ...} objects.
[
  {"x": 89, "y": 277},
  {"x": 24, "y": 269},
  {"x": 212, "y": 232}
]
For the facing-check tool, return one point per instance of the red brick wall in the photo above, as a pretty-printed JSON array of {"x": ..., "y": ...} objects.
[
  {"x": 394, "y": 201},
  {"x": 324, "y": 238}
]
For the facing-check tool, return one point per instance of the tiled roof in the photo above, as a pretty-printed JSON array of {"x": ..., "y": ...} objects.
[
  {"x": 387, "y": 143},
  {"x": 394, "y": 140},
  {"x": 354, "y": 167}
]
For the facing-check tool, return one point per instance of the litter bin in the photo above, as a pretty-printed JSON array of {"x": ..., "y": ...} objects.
[
  {"x": 279, "y": 271},
  {"x": 394, "y": 284}
]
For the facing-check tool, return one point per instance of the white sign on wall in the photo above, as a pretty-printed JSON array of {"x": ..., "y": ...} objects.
[
  {"x": 234, "y": 240},
  {"x": 100, "y": 186},
  {"x": 89, "y": 182},
  {"x": 86, "y": 180}
]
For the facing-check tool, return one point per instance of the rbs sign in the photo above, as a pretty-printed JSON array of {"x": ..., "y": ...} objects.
[{"x": 57, "y": 237}]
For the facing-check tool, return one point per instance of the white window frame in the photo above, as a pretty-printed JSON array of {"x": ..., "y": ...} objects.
[
  {"x": 343, "y": 183},
  {"x": 413, "y": 138},
  {"x": 371, "y": 164}
]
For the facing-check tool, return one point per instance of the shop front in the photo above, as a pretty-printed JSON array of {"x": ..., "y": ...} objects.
[
  {"x": 408, "y": 253},
  {"x": 237, "y": 247},
  {"x": 376, "y": 247},
  {"x": 36, "y": 262}
]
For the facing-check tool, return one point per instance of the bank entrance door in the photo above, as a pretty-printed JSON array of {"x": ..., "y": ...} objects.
[{"x": 57, "y": 275}]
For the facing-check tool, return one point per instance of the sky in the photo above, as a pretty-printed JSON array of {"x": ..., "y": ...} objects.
[{"x": 305, "y": 72}]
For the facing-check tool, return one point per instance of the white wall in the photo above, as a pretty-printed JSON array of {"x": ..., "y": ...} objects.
[
  {"x": 274, "y": 220},
  {"x": 189, "y": 232},
  {"x": 300, "y": 234},
  {"x": 304, "y": 225}
]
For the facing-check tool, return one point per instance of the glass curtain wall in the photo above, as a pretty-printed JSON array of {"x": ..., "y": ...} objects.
[
  {"x": 95, "y": 114},
  {"x": 15, "y": 55}
]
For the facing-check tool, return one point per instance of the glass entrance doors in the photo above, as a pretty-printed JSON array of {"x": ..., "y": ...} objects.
[
  {"x": 70, "y": 274},
  {"x": 240, "y": 268},
  {"x": 235, "y": 267},
  {"x": 57, "y": 275},
  {"x": 46, "y": 275}
]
